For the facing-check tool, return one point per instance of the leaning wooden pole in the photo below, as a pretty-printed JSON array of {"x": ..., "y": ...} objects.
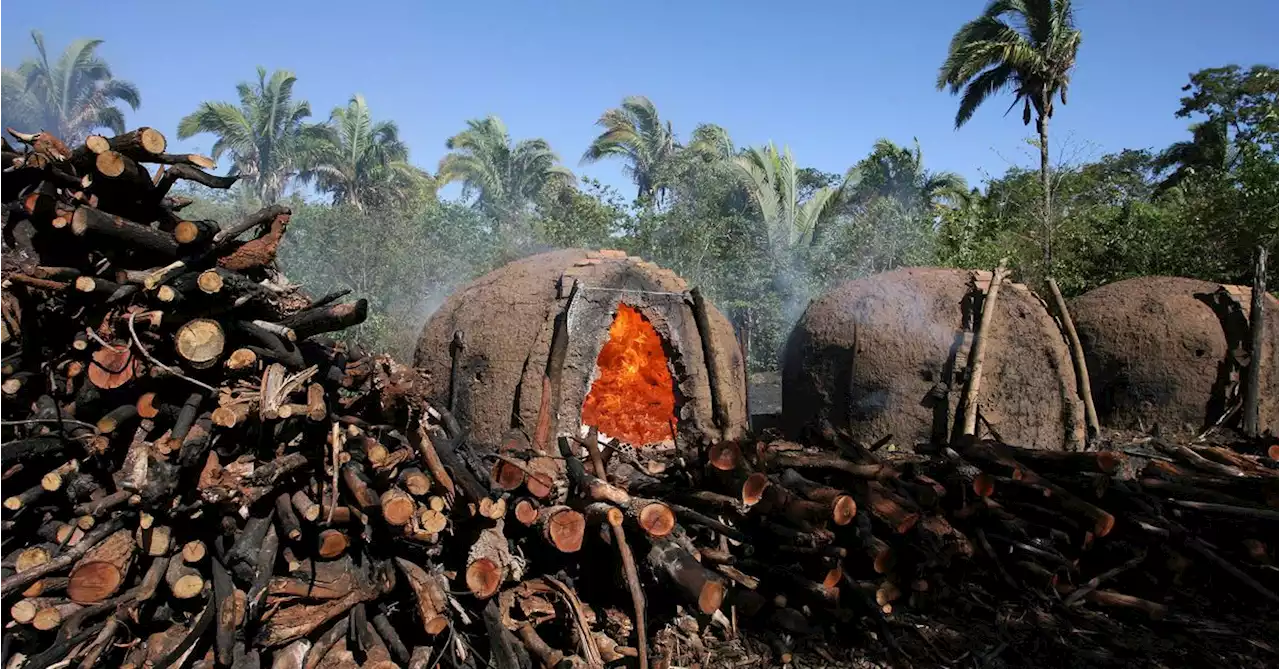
[
  {"x": 1257, "y": 326},
  {"x": 979, "y": 350},
  {"x": 1077, "y": 357}
]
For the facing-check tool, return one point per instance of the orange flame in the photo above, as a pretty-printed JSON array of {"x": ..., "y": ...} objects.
[{"x": 633, "y": 398}]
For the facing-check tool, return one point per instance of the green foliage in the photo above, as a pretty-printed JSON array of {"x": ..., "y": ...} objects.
[
  {"x": 504, "y": 179},
  {"x": 569, "y": 217},
  {"x": 635, "y": 133},
  {"x": 362, "y": 162},
  {"x": 265, "y": 134},
  {"x": 403, "y": 261},
  {"x": 758, "y": 232},
  {"x": 70, "y": 97},
  {"x": 1028, "y": 46}
]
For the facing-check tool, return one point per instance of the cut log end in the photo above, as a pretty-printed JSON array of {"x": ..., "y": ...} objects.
[
  {"x": 242, "y": 358},
  {"x": 753, "y": 489},
  {"x": 436, "y": 625},
  {"x": 110, "y": 163},
  {"x": 565, "y": 529},
  {"x": 657, "y": 519},
  {"x": 725, "y": 456},
  {"x": 507, "y": 476},
  {"x": 147, "y": 405},
  {"x": 1104, "y": 524},
  {"x": 433, "y": 520},
  {"x": 193, "y": 551},
  {"x": 984, "y": 485},
  {"x": 397, "y": 507},
  {"x": 92, "y": 582},
  {"x": 332, "y": 544},
  {"x": 97, "y": 144},
  {"x": 200, "y": 341},
  {"x": 539, "y": 485},
  {"x": 416, "y": 483},
  {"x": 526, "y": 512},
  {"x": 187, "y": 586},
  {"x": 483, "y": 578},
  {"x": 710, "y": 598},
  {"x": 843, "y": 510},
  {"x": 209, "y": 281}
]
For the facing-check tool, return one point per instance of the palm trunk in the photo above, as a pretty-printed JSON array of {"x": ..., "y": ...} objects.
[{"x": 1042, "y": 125}]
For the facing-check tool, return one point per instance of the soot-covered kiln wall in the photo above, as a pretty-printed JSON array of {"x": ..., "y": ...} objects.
[
  {"x": 1168, "y": 351},
  {"x": 875, "y": 356},
  {"x": 506, "y": 320}
]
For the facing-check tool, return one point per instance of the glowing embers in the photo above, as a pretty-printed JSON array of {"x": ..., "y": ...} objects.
[{"x": 633, "y": 398}]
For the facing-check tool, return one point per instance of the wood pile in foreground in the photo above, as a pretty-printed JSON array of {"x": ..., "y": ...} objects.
[{"x": 195, "y": 475}]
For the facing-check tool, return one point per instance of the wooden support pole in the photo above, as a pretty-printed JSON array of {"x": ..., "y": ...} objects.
[
  {"x": 1257, "y": 326},
  {"x": 1077, "y": 358},
  {"x": 979, "y": 350}
]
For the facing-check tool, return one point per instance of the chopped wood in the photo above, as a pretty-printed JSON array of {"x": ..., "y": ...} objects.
[
  {"x": 309, "y": 501},
  {"x": 100, "y": 573}
]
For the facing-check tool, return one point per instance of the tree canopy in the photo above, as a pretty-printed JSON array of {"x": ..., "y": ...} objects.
[{"x": 758, "y": 228}]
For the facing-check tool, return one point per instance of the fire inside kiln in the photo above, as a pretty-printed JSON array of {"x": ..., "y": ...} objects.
[{"x": 633, "y": 396}]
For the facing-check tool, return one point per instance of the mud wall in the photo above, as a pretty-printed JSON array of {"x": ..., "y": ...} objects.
[
  {"x": 1167, "y": 352},
  {"x": 505, "y": 322},
  {"x": 883, "y": 355}
]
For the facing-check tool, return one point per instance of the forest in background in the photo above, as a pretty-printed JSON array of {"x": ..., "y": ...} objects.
[{"x": 756, "y": 229}]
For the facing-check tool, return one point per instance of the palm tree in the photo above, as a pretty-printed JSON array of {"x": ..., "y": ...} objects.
[
  {"x": 20, "y": 110},
  {"x": 770, "y": 178},
  {"x": 504, "y": 178},
  {"x": 899, "y": 172},
  {"x": 1210, "y": 150},
  {"x": 635, "y": 133},
  {"x": 266, "y": 134},
  {"x": 711, "y": 141},
  {"x": 359, "y": 161},
  {"x": 1028, "y": 46},
  {"x": 69, "y": 98}
]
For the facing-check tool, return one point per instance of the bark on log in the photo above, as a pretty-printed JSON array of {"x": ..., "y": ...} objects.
[
  {"x": 115, "y": 231},
  {"x": 430, "y": 594},
  {"x": 699, "y": 586},
  {"x": 141, "y": 144}
]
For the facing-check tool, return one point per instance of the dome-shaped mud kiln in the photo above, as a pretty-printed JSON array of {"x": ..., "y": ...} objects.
[
  {"x": 885, "y": 355},
  {"x": 1171, "y": 352},
  {"x": 597, "y": 338}
]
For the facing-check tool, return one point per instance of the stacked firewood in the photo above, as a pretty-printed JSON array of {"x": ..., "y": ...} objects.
[{"x": 195, "y": 475}]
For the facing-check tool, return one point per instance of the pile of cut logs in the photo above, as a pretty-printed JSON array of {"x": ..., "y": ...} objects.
[{"x": 196, "y": 475}]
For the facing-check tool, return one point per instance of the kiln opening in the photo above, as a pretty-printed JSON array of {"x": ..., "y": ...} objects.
[{"x": 633, "y": 396}]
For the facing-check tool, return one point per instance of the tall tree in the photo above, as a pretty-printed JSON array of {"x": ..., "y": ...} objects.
[
  {"x": 1028, "y": 46},
  {"x": 1209, "y": 150},
  {"x": 69, "y": 98},
  {"x": 266, "y": 134},
  {"x": 635, "y": 133},
  {"x": 899, "y": 172},
  {"x": 359, "y": 161},
  {"x": 505, "y": 178},
  {"x": 772, "y": 180},
  {"x": 711, "y": 141}
]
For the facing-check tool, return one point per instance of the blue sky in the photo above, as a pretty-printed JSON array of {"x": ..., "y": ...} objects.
[{"x": 825, "y": 78}]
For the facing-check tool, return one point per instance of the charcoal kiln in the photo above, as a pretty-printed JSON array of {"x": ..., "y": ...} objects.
[
  {"x": 885, "y": 355},
  {"x": 577, "y": 337},
  {"x": 1171, "y": 352}
]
